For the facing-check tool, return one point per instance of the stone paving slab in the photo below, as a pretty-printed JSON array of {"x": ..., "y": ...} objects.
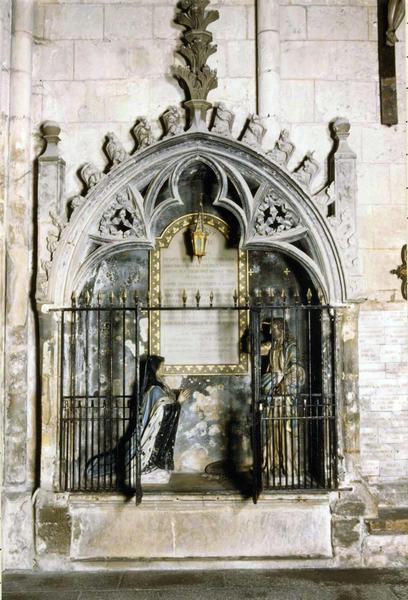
[{"x": 329, "y": 584}]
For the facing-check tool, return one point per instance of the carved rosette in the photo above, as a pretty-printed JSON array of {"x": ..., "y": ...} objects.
[
  {"x": 274, "y": 217},
  {"x": 122, "y": 219}
]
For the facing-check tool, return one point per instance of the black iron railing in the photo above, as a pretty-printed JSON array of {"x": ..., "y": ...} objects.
[{"x": 293, "y": 410}]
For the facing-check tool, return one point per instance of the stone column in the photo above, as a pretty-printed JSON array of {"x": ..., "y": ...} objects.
[
  {"x": 268, "y": 66},
  {"x": 51, "y": 213},
  {"x": 344, "y": 219},
  {"x": 19, "y": 363}
]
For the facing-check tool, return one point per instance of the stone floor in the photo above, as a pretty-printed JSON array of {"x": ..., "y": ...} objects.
[{"x": 367, "y": 584}]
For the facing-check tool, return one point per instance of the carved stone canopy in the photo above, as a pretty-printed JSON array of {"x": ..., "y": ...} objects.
[{"x": 126, "y": 205}]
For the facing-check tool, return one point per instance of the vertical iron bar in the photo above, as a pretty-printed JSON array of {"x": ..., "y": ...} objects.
[
  {"x": 86, "y": 393},
  {"x": 309, "y": 360},
  {"x": 110, "y": 398},
  {"x": 334, "y": 401},
  {"x": 63, "y": 457},
  {"x": 329, "y": 402},
  {"x": 273, "y": 412},
  {"x": 285, "y": 400},
  {"x": 138, "y": 461},
  {"x": 80, "y": 399},
  {"x": 73, "y": 397},
  {"x": 123, "y": 423},
  {"x": 98, "y": 399},
  {"x": 256, "y": 366},
  {"x": 298, "y": 399}
]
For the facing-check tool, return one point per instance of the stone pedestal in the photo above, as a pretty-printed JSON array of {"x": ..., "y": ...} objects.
[{"x": 185, "y": 527}]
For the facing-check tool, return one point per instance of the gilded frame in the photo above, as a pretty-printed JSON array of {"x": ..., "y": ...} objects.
[{"x": 240, "y": 368}]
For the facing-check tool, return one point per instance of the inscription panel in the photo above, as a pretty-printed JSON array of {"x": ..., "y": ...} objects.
[{"x": 198, "y": 341}]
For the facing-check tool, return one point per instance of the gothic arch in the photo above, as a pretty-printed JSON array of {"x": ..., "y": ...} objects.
[{"x": 135, "y": 182}]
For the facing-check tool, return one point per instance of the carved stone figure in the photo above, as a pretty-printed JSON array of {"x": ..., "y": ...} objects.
[
  {"x": 91, "y": 175},
  {"x": 283, "y": 377},
  {"x": 53, "y": 237},
  {"x": 307, "y": 170},
  {"x": 123, "y": 218},
  {"x": 273, "y": 216},
  {"x": 160, "y": 416},
  {"x": 254, "y": 132},
  {"x": 115, "y": 149},
  {"x": 172, "y": 122},
  {"x": 223, "y": 120},
  {"x": 76, "y": 202},
  {"x": 283, "y": 149},
  {"x": 143, "y": 134}
]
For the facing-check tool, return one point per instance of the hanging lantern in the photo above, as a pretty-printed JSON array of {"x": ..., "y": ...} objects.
[{"x": 200, "y": 235}]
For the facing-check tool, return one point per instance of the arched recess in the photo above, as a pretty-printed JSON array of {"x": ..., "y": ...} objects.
[{"x": 274, "y": 213}]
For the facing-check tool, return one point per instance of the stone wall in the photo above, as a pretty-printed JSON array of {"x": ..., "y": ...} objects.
[
  {"x": 98, "y": 65},
  {"x": 383, "y": 345},
  {"x": 329, "y": 66}
]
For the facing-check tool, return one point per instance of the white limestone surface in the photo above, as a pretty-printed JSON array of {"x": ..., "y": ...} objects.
[{"x": 201, "y": 529}]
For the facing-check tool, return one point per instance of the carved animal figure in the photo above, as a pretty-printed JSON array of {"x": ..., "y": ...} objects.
[
  {"x": 308, "y": 170},
  {"x": 115, "y": 149},
  {"x": 172, "y": 122},
  {"x": 143, "y": 134},
  {"x": 283, "y": 149},
  {"x": 254, "y": 132},
  {"x": 223, "y": 121},
  {"x": 91, "y": 175}
]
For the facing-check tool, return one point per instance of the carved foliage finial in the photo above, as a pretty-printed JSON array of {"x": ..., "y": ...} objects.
[
  {"x": 196, "y": 48},
  {"x": 51, "y": 131},
  {"x": 341, "y": 131}
]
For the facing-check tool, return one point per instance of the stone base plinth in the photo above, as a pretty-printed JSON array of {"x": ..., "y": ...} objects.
[{"x": 182, "y": 528}]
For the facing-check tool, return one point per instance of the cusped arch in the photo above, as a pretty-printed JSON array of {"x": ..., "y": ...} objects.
[{"x": 228, "y": 158}]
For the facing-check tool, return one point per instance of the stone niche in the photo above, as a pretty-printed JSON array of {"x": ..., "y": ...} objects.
[{"x": 266, "y": 232}]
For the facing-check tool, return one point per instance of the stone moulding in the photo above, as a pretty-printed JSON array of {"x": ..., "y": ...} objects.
[{"x": 298, "y": 215}]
